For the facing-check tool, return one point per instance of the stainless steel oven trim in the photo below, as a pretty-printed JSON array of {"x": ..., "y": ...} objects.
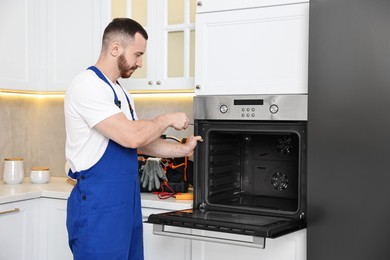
[
  {"x": 247, "y": 107},
  {"x": 257, "y": 242}
]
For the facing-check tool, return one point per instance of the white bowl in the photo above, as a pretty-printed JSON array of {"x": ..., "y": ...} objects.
[{"x": 39, "y": 175}]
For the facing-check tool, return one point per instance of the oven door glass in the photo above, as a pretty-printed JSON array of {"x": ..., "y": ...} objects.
[{"x": 236, "y": 223}]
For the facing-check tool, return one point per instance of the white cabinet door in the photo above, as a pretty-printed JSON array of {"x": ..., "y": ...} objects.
[
  {"x": 261, "y": 50},
  {"x": 47, "y": 43},
  {"x": 75, "y": 30},
  {"x": 53, "y": 233},
  {"x": 169, "y": 61},
  {"x": 19, "y": 46},
  {"x": 288, "y": 247},
  {"x": 18, "y": 230},
  {"x": 160, "y": 247}
]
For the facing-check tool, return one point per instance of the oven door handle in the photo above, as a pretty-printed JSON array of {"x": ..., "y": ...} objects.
[{"x": 257, "y": 242}]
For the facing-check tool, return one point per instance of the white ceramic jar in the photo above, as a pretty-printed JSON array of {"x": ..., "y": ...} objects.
[
  {"x": 39, "y": 175},
  {"x": 13, "y": 170}
]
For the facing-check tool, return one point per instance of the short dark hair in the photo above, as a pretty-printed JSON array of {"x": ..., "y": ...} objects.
[{"x": 124, "y": 27}]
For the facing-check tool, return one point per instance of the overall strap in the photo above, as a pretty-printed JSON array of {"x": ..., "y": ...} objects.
[{"x": 116, "y": 100}]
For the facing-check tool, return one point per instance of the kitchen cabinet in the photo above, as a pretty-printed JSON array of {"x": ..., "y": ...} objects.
[
  {"x": 20, "y": 44},
  {"x": 168, "y": 63},
  {"x": 53, "y": 234},
  {"x": 18, "y": 235},
  {"x": 38, "y": 230},
  {"x": 48, "y": 42},
  {"x": 41, "y": 225},
  {"x": 74, "y": 34},
  {"x": 161, "y": 247},
  {"x": 287, "y": 247},
  {"x": 251, "y": 47},
  {"x": 34, "y": 230}
]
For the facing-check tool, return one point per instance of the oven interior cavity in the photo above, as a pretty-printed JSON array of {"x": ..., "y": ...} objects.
[{"x": 256, "y": 171}]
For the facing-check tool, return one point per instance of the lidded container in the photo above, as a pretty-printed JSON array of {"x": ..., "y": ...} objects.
[
  {"x": 39, "y": 174},
  {"x": 13, "y": 170}
]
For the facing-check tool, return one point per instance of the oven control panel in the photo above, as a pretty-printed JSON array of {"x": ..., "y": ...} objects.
[
  {"x": 248, "y": 112},
  {"x": 253, "y": 107}
]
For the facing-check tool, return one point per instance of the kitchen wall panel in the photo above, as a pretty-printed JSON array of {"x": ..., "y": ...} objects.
[{"x": 33, "y": 127}]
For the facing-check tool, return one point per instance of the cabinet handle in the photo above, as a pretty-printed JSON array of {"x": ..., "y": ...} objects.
[
  {"x": 158, "y": 82},
  {"x": 9, "y": 211},
  {"x": 197, "y": 86},
  {"x": 150, "y": 82},
  {"x": 199, "y": 3}
]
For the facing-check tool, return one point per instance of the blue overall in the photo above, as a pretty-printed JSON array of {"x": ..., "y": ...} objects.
[{"x": 104, "y": 218}]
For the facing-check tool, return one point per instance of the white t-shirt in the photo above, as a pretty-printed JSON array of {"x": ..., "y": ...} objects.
[{"x": 88, "y": 101}]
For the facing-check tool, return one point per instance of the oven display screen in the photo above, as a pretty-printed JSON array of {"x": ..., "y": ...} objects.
[{"x": 248, "y": 102}]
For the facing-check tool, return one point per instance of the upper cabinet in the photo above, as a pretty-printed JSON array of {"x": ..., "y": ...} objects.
[
  {"x": 74, "y": 35},
  {"x": 252, "y": 47},
  {"x": 169, "y": 61},
  {"x": 48, "y": 42},
  {"x": 20, "y": 44}
]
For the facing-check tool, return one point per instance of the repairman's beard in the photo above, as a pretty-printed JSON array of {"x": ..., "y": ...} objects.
[{"x": 124, "y": 68}]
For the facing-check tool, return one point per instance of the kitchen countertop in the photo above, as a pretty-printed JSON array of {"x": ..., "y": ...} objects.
[{"x": 59, "y": 188}]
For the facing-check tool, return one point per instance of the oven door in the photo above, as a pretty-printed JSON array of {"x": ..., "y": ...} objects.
[
  {"x": 223, "y": 227},
  {"x": 249, "y": 180}
]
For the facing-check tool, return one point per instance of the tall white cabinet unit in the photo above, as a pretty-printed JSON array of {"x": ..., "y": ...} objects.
[
  {"x": 169, "y": 61},
  {"x": 251, "y": 47},
  {"x": 46, "y": 43}
]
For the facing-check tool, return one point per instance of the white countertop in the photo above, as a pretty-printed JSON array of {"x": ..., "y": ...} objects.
[{"x": 58, "y": 188}]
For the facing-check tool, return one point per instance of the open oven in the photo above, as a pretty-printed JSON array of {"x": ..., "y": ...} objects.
[{"x": 250, "y": 171}]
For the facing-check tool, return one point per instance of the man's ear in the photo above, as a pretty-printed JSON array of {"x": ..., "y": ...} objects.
[{"x": 116, "y": 49}]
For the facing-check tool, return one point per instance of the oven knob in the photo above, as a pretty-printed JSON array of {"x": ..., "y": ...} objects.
[
  {"x": 223, "y": 109},
  {"x": 274, "y": 109}
]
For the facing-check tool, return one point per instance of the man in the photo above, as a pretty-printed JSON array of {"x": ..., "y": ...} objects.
[{"x": 104, "y": 218}]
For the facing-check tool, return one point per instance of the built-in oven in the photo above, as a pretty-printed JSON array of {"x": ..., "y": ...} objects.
[{"x": 250, "y": 170}]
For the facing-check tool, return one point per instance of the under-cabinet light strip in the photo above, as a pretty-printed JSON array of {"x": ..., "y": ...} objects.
[{"x": 62, "y": 94}]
